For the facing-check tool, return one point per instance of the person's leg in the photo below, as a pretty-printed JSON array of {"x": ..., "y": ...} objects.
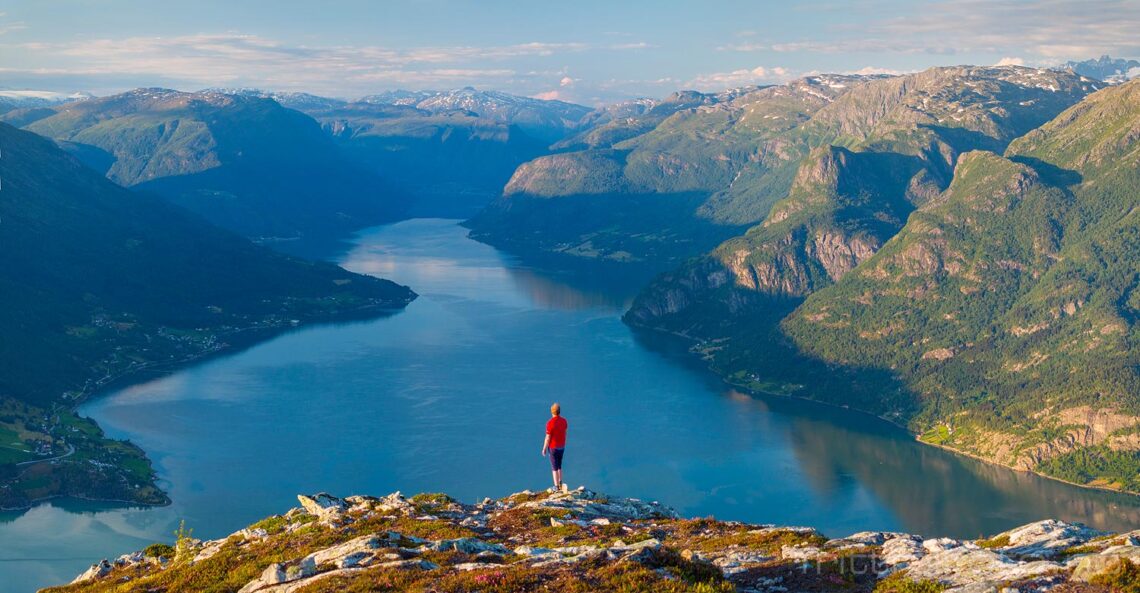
[{"x": 556, "y": 467}]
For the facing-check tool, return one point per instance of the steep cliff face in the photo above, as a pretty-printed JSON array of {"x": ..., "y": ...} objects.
[
  {"x": 1004, "y": 304},
  {"x": 1007, "y": 302},
  {"x": 245, "y": 163},
  {"x": 903, "y": 137},
  {"x": 667, "y": 183},
  {"x": 579, "y": 540}
]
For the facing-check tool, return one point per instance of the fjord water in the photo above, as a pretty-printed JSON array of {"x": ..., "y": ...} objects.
[{"x": 451, "y": 395}]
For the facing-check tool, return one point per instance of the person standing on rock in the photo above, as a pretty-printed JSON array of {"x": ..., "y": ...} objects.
[{"x": 555, "y": 444}]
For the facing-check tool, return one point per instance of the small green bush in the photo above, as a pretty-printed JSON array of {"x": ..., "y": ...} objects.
[
  {"x": 1000, "y": 541},
  {"x": 899, "y": 583},
  {"x": 159, "y": 551},
  {"x": 1122, "y": 577}
]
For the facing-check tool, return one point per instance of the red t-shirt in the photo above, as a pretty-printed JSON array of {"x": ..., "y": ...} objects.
[{"x": 556, "y": 428}]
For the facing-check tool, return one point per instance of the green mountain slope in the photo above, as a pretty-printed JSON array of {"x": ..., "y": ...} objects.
[
  {"x": 681, "y": 177},
  {"x": 245, "y": 163},
  {"x": 449, "y": 164},
  {"x": 709, "y": 170},
  {"x": 889, "y": 146},
  {"x": 1005, "y": 306},
  {"x": 100, "y": 283}
]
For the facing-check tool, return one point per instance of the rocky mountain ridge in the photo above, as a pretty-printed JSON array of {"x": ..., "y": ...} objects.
[
  {"x": 99, "y": 283},
  {"x": 719, "y": 164},
  {"x": 243, "y": 162},
  {"x": 581, "y": 541},
  {"x": 999, "y": 302}
]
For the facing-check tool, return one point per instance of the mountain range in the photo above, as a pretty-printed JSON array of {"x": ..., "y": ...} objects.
[
  {"x": 948, "y": 250},
  {"x": 1108, "y": 69},
  {"x": 980, "y": 298},
  {"x": 245, "y": 163},
  {"x": 450, "y": 151},
  {"x": 951, "y": 250},
  {"x": 99, "y": 283}
]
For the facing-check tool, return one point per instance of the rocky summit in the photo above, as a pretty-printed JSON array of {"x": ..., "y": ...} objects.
[{"x": 581, "y": 541}]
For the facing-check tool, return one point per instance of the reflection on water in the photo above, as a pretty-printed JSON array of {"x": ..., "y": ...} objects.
[{"x": 451, "y": 395}]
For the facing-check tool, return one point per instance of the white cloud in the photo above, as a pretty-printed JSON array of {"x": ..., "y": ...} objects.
[
  {"x": 566, "y": 81},
  {"x": 1010, "y": 61},
  {"x": 1043, "y": 30},
  {"x": 250, "y": 60},
  {"x": 6, "y": 28},
  {"x": 716, "y": 81},
  {"x": 549, "y": 96},
  {"x": 873, "y": 70},
  {"x": 635, "y": 45}
]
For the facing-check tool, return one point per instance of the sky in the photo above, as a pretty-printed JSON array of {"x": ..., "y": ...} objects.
[{"x": 585, "y": 51}]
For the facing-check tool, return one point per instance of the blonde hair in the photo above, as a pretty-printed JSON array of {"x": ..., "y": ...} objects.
[{"x": 556, "y": 409}]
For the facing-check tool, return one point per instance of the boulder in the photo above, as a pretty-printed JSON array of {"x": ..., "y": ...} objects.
[
  {"x": 800, "y": 553},
  {"x": 352, "y": 553},
  {"x": 98, "y": 570},
  {"x": 1092, "y": 565},
  {"x": 970, "y": 569},
  {"x": 532, "y": 551},
  {"x": 941, "y": 544},
  {"x": 328, "y": 508},
  {"x": 863, "y": 538},
  {"x": 209, "y": 549},
  {"x": 281, "y": 572},
  {"x": 588, "y": 506},
  {"x": 467, "y": 545},
  {"x": 735, "y": 561},
  {"x": 475, "y": 566},
  {"x": 1046, "y": 539},
  {"x": 900, "y": 551}
]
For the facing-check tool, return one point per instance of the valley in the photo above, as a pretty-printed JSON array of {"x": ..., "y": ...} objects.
[{"x": 899, "y": 265}]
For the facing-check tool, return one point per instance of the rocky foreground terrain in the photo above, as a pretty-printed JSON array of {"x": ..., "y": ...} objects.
[{"x": 581, "y": 541}]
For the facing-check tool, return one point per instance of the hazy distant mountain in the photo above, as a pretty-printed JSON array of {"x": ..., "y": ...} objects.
[
  {"x": 92, "y": 273},
  {"x": 451, "y": 163},
  {"x": 450, "y": 152},
  {"x": 300, "y": 101},
  {"x": 548, "y": 121},
  {"x": 610, "y": 124},
  {"x": 1112, "y": 70},
  {"x": 665, "y": 184},
  {"x": 25, "y": 99},
  {"x": 244, "y": 162}
]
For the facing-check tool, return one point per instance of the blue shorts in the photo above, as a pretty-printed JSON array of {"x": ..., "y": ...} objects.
[{"x": 556, "y": 459}]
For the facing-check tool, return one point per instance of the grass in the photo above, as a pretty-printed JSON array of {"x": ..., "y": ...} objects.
[
  {"x": 272, "y": 525},
  {"x": 1122, "y": 577},
  {"x": 899, "y": 583},
  {"x": 993, "y": 543}
]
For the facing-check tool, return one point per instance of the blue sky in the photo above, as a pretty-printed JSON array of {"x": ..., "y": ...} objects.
[{"x": 586, "y": 51}]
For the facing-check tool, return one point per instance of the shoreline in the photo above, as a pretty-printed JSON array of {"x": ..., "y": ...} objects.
[
  {"x": 248, "y": 337},
  {"x": 917, "y": 438},
  {"x": 128, "y": 503}
]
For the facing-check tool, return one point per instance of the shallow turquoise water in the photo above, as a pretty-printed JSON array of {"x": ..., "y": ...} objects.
[{"x": 451, "y": 395}]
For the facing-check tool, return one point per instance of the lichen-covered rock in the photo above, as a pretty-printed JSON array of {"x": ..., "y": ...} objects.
[
  {"x": 467, "y": 545},
  {"x": 1045, "y": 539},
  {"x": 969, "y": 569},
  {"x": 327, "y": 508},
  {"x": 1092, "y": 565},
  {"x": 97, "y": 570},
  {"x": 901, "y": 551},
  {"x": 429, "y": 543}
]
